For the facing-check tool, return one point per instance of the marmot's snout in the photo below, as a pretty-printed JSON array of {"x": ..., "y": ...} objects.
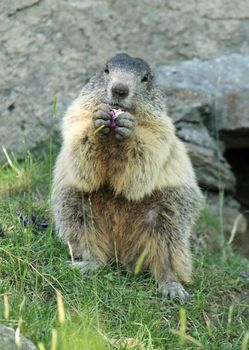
[{"x": 120, "y": 90}]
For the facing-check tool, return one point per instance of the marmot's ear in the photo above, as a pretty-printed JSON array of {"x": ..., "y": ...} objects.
[
  {"x": 106, "y": 69},
  {"x": 148, "y": 77},
  {"x": 151, "y": 74}
]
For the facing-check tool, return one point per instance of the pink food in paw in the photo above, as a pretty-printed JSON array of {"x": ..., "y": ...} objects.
[{"x": 114, "y": 114}]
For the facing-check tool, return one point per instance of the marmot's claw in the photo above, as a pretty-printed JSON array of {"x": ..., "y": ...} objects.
[
  {"x": 104, "y": 109},
  {"x": 101, "y": 118},
  {"x": 125, "y": 125},
  {"x": 173, "y": 290},
  {"x": 86, "y": 267},
  {"x": 122, "y": 133},
  {"x": 105, "y": 130},
  {"x": 98, "y": 122}
]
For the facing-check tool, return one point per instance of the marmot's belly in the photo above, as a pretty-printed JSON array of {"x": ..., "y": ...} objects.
[{"x": 124, "y": 224}]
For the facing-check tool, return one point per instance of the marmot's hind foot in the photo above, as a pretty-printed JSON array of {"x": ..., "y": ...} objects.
[
  {"x": 173, "y": 290},
  {"x": 86, "y": 267}
]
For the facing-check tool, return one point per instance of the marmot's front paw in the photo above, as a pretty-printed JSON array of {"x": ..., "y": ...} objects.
[
  {"x": 101, "y": 119},
  {"x": 125, "y": 126}
]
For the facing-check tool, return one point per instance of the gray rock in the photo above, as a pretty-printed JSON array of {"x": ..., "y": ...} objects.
[
  {"x": 7, "y": 340},
  {"x": 212, "y": 169},
  {"x": 220, "y": 87},
  {"x": 212, "y": 173},
  {"x": 208, "y": 101},
  {"x": 188, "y": 108}
]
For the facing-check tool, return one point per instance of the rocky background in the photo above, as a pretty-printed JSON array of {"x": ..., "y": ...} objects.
[{"x": 200, "y": 52}]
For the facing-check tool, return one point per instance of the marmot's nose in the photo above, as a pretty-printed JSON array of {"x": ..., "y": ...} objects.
[{"x": 120, "y": 90}]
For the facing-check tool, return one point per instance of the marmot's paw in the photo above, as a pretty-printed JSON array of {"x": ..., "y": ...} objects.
[
  {"x": 125, "y": 126},
  {"x": 86, "y": 267},
  {"x": 173, "y": 290},
  {"x": 101, "y": 119}
]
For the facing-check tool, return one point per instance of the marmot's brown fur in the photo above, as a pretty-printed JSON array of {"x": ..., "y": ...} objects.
[{"x": 130, "y": 190}]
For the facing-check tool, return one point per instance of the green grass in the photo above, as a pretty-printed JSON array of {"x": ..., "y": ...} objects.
[{"x": 111, "y": 309}]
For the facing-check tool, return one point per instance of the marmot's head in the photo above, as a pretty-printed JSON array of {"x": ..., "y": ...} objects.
[
  {"x": 127, "y": 78},
  {"x": 127, "y": 82}
]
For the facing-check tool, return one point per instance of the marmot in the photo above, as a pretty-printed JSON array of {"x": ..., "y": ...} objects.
[{"x": 126, "y": 190}]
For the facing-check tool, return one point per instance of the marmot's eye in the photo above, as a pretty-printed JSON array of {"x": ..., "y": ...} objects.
[{"x": 106, "y": 70}]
